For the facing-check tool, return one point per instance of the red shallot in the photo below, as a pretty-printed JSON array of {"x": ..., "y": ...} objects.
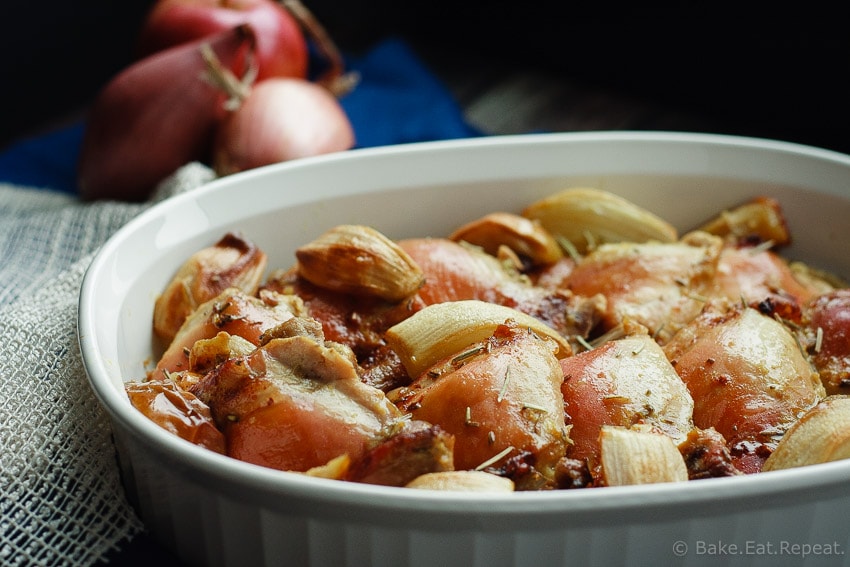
[
  {"x": 281, "y": 119},
  {"x": 157, "y": 115},
  {"x": 281, "y": 45}
]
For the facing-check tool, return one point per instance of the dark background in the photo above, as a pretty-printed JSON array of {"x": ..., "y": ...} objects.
[{"x": 761, "y": 77}]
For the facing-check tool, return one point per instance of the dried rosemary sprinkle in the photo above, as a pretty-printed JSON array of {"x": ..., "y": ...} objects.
[
  {"x": 504, "y": 388},
  {"x": 762, "y": 247},
  {"x": 590, "y": 239},
  {"x": 468, "y": 418},
  {"x": 569, "y": 248},
  {"x": 696, "y": 297},
  {"x": 583, "y": 342},
  {"x": 495, "y": 458},
  {"x": 801, "y": 348},
  {"x": 611, "y": 335},
  {"x": 467, "y": 354}
]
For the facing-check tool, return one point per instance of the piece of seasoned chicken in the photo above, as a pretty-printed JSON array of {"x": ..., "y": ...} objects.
[
  {"x": 748, "y": 377},
  {"x": 499, "y": 398},
  {"x": 762, "y": 279},
  {"x": 417, "y": 448},
  {"x": 661, "y": 286},
  {"x": 456, "y": 272},
  {"x": 707, "y": 455},
  {"x": 233, "y": 261},
  {"x": 296, "y": 403},
  {"x": 233, "y": 312},
  {"x": 356, "y": 321},
  {"x": 624, "y": 382}
]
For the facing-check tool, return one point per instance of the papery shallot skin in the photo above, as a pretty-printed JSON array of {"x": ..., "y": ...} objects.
[
  {"x": 658, "y": 285},
  {"x": 504, "y": 396},
  {"x": 296, "y": 403},
  {"x": 624, "y": 382},
  {"x": 748, "y": 377},
  {"x": 233, "y": 312}
]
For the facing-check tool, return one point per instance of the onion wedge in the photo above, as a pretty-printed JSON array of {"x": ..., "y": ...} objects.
[
  {"x": 634, "y": 456},
  {"x": 462, "y": 481},
  {"x": 586, "y": 216},
  {"x": 820, "y": 436},
  {"x": 444, "y": 329}
]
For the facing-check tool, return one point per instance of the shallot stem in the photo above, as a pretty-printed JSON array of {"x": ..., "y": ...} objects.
[
  {"x": 335, "y": 79},
  {"x": 219, "y": 76}
]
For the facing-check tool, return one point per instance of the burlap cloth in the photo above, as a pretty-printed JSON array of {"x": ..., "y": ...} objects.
[{"x": 61, "y": 501}]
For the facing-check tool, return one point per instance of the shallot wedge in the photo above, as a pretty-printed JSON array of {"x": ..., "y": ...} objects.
[
  {"x": 296, "y": 403},
  {"x": 500, "y": 399},
  {"x": 444, "y": 329},
  {"x": 635, "y": 456},
  {"x": 748, "y": 377},
  {"x": 359, "y": 260},
  {"x": 233, "y": 261},
  {"x": 586, "y": 217},
  {"x": 462, "y": 481},
  {"x": 760, "y": 220},
  {"x": 820, "y": 436},
  {"x": 623, "y": 383},
  {"x": 525, "y": 238}
]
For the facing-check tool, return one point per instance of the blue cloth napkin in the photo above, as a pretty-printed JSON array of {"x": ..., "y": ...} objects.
[{"x": 397, "y": 101}]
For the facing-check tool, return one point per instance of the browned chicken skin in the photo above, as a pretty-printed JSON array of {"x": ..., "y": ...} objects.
[
  {"x": 748, "y": 377},
  {"x": 504, "y": 399}
]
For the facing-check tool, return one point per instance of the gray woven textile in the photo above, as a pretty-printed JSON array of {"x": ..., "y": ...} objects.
[{"x": 61, "y": 501}]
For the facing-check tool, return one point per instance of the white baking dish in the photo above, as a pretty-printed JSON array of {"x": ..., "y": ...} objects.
[{"x": 212, "y": 510}]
